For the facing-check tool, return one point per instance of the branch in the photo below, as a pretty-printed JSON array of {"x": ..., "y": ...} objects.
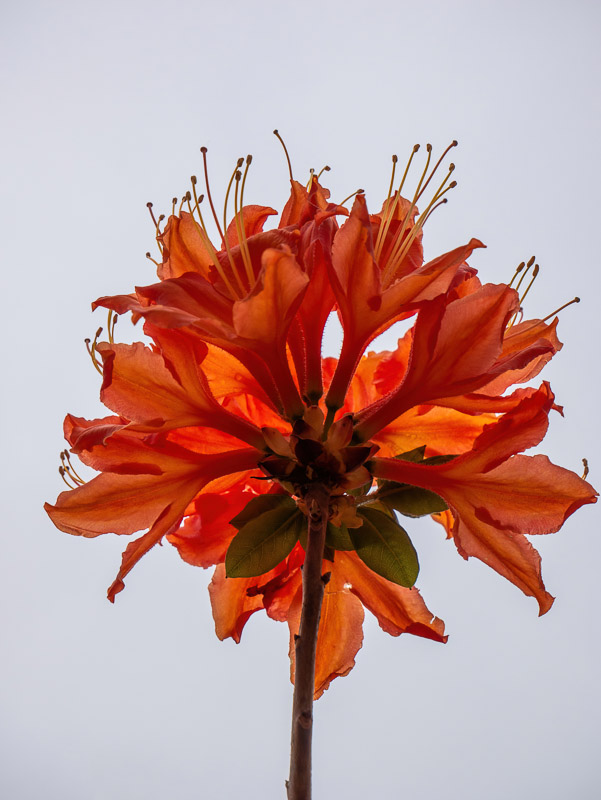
[{"x": 299, "y": 784}]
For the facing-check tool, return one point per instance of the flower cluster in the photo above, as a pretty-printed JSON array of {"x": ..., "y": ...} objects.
[{"x": 224, "y": 421}]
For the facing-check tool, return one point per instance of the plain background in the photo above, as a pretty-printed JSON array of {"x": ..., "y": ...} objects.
[{"x": 105, "y": 107}]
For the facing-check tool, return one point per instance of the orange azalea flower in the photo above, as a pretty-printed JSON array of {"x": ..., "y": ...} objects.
[{"x": 220, "y": 433}]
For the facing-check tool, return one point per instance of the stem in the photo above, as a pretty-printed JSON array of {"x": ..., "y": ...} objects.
[{"x": 299, "y": 783}]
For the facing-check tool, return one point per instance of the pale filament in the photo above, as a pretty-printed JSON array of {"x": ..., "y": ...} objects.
[
  {"x": 235, "y": 177},
  {"x": 240, "y": 229},
  {"x": 402, "y": 247},
  {"x": 205, "y": 238}
]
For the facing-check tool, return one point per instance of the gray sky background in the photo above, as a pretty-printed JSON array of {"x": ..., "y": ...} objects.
[{"x": 105, "y": 107}]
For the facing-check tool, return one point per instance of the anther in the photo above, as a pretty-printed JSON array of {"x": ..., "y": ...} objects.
[
  {"x": 528, "y": 265},
  {"x": 69, "y": 468},
  {"x": 519, "y": 268},
  {"x": 561, "y": 308},
  {"x": 387, "y": 219},
  {"x": 534, "y": 274},
  {"x": 346, "y": 199},
  {"x": 112, "y": 321},
  {"x": 586, "y": 470},
  {"x": 440, "y": 203},
  {"x": 91, "y": 348},
  {"x": 322, "y": 170},
  {"x": 149, "y": 207},
  {"x": 531, "y": 261},
  {"x": 61, "y": 472}
]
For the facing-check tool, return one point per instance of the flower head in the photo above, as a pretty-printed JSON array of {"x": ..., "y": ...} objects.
[{"x": 229, "y": 415}]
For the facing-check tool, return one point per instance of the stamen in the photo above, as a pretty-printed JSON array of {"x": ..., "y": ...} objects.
[
  {"x": 157, "y": 230},
  {"x": 346, "y": 199},
  {"x": 391, "y": 267},
  {"x": 112, "y": 321},
  {"x": 235, "y": 177},
  {"x": 529, "y": 263},
  {"x": 186, "y": 198},
  {"x": 561, "y": 308},
  {"x": 197, "y": 200},
  {"x": 385, "y": 224},
  {"x": 149, "y": 207},
  {"x": 173, "y": 204},
  {"x": 61, "y": 472},
  {"x": 311, "y": 175},
  {"x": 277, "y": 133},
  {"x": 586, "y": 470},
  {"x": 418, "y": 193},
  {"x": 440, "y": 203},
  {"x": 205, "y": 237},
  {"x": 438, "y": 163},
  {"x": 70, "y": 469},
  {"x": 534, "y": 274},
  {"x": 519, "y": 268},
  {"x": 249, "y": 159},
  {"x": 158, "y": 233},
  {"x": 241, "y": 232},
  {"x": 92, "y": 350},
  {"x": 401, "y": 247},
  {"x": 203, "y": 150},
  {"x": 413, "y": 152},
  {"x": 152, "y": 259},
  {"x": 322, "y": 170},
  {"x": 395, "y": 160}
]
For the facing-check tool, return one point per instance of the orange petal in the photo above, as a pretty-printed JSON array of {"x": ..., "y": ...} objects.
[
  {"x": 231, "y": 604},
  {"x": 205, "y": 535},
  {"x": 340, "y": 632},
  {"x": 252, "y": 220},
  {"x": 397, "y": 609},
  {"x": 184, "y": 249},
  {"x": 496, "y": 496}
]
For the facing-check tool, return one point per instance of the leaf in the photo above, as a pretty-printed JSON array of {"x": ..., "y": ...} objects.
[
  {"x": 433, "y": 460},
  {"x": 338, "y": 538},
  {"x": 385, "y": 547},
  {"x": 259, "y": 505},
  {"x": 264, "y": 542},
  {"x": 416, "y": 455},
  {"x": 412, "y": 501}
]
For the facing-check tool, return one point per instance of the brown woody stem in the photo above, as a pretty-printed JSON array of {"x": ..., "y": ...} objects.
[{"x": 299, "y": 784}]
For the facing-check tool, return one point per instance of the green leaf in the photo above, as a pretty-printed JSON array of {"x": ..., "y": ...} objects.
[
  {"x": 264, "y": 542},
  {"x": 385, "y": 547},
  {"x": 412, "y": 501},
  {"x": 416, "y": 455},
  {"x": 338, "y": 538},
  {"x": 433, "y": 460},
  {"x": 259, "y": 505}
]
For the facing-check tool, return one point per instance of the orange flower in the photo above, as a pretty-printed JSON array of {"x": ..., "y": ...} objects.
[{"x": 220, "y": 431}]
